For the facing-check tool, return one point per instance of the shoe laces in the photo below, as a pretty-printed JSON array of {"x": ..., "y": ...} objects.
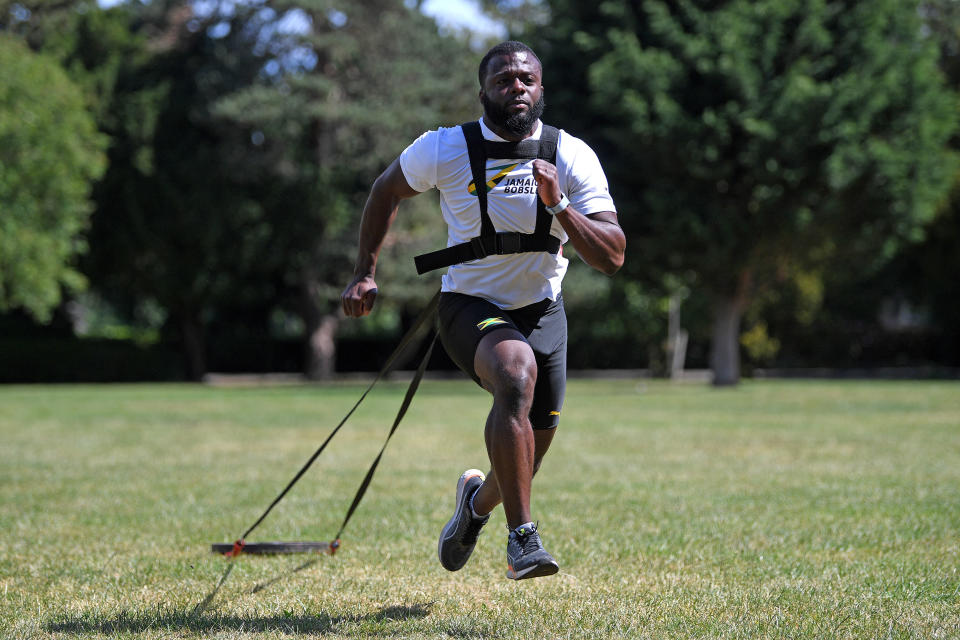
[{"x": 528, "y": 540}]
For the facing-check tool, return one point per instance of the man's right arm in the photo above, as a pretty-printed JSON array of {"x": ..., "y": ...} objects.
[{"x": 378, "y": 214}]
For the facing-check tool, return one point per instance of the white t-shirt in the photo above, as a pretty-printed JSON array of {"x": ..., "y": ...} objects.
[{"x": 439, "y": 159}]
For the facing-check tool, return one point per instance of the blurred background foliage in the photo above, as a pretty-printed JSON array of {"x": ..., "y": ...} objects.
[{"x": 181, "y": 182}]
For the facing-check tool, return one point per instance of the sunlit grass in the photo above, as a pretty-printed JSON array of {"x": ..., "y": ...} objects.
[{"x": 774, "y": 510}]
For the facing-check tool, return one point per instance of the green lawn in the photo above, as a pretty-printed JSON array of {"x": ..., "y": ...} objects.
[{"x": 774, "y": 510}]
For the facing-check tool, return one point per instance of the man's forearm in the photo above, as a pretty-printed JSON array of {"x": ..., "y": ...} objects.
[
  {"x": 378, "y": 214},
  {"x": 598, "y": 238}
]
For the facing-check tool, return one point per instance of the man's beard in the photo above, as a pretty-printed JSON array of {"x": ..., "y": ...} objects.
[{"x": 518, "y": 124}]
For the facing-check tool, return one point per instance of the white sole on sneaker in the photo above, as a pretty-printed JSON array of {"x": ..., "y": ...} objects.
[{"x": 536, "y": 571}]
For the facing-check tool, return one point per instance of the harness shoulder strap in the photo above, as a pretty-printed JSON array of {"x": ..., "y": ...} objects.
[
  {"x": 478, "y": 167},
  {"x": 549, "y": 139}
]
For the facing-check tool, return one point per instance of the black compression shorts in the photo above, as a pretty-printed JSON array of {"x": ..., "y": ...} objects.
[{"x": 465, "y": 320}]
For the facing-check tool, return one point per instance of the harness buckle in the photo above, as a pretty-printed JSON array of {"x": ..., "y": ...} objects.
[{"x": 508, "y": 242}]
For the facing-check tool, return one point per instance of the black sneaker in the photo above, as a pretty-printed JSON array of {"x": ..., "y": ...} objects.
[
  {"x": 526, "y": 557},
  {"x": 459, "y": 536}
]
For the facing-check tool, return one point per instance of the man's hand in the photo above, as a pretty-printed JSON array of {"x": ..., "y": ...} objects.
[
  {"x": 359, "y": 296},
  {"x": 597, "y": 237},
  {"x": 548, "y": 187}
]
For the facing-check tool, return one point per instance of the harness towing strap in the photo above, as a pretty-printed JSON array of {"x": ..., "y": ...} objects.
[
  {"x": 428, "y": 313},
  {"x": 407, "y": 398}
]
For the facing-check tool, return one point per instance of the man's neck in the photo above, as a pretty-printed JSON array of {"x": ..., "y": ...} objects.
[{"x": 508, "y": 135}]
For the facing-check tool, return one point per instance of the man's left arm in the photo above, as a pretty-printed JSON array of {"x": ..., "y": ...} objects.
[{"x": 597, "y": 237}]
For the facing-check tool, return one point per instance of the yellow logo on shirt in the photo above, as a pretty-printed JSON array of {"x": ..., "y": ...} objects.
[{"x": 495, "y": 180}]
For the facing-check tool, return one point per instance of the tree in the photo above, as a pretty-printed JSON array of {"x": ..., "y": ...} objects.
[
  {"x": 934, "y": 262},
  {"x": 748, "y": 141},
  {"x": 244, "y": 140},
  {"x": 346, "y": 93},
  {"x": 50, "y": 153},
  {"x": 172, "y": 225}
]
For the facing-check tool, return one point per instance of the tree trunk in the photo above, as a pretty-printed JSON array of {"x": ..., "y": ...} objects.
[
  {"x": 321, "y": 329},
  {"x": 194, "y": 346},
  {"x": 321, "y": 348},
  {"x": 676, "y": 339},
  {"x": 725, "y": 343}
]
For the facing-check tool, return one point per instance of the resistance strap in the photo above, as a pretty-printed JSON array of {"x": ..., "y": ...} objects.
[
  {"x": 428, "y": 313},
  {"x": 411, "y": 390},
  {"x": 331, "y": 547},
  {"x": 490, "y": 241}
]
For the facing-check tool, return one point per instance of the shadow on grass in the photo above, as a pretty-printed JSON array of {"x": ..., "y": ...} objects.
[{"x": 320, "y": 624}]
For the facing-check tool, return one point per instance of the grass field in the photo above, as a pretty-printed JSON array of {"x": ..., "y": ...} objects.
[{"x": 774, "y": 510}]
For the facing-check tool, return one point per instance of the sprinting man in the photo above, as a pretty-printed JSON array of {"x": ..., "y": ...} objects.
[{"x": 512, "y": 191}]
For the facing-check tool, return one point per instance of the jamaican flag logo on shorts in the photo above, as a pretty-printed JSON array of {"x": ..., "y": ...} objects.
[{"x": 490, "y": 322}]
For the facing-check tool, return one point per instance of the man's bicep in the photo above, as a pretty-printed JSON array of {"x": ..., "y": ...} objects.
[
  {"x": 418, "y": 162},
  {"x": 589, "y": 192},
  {"x": 394, "y": 182},
  {"x": 605, "y": 216}
]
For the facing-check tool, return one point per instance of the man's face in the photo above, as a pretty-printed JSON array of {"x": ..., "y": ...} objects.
[{"x": 512, "y": 93}]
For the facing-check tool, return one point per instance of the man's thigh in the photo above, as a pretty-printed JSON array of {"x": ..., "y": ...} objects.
[{"x": 466, "y": 320}]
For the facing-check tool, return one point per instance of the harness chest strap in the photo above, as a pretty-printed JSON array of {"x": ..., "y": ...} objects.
[{"x": 490, "y": 241}]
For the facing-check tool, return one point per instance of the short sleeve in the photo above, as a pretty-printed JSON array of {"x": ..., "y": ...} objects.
[
  {"x": 586, "y": 182},
  {"x": 419, "y": 162}
]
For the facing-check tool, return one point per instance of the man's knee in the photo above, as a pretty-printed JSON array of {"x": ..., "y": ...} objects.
[
  {"x": 514, "y": 380},
  {"x": 507, "y": 368}
]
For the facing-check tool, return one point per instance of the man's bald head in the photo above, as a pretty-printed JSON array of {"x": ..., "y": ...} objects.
[{"x": 507, "y": 48}]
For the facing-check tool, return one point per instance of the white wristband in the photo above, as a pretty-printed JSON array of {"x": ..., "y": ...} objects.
[{"x": 560, "y": 206}]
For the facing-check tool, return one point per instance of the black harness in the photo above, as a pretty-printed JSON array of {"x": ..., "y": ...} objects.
[{"x": 490, "y": 241}]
